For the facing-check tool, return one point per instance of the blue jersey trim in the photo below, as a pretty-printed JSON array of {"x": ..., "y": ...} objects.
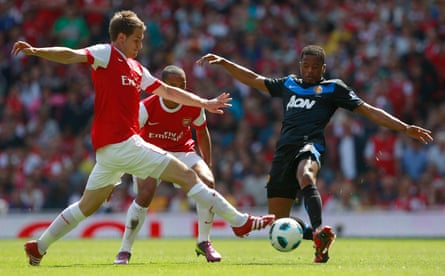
[{"x": 311, "y": 90}]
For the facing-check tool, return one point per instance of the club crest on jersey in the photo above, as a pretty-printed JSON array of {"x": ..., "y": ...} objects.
[
  {"x": 186, "y": 121},
  {"x": 318, "y": 89}
]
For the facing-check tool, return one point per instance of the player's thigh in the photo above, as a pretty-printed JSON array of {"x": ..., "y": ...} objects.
[
  {"x": 102, "y": 176},
  {"x": 91, "y": 200},
  {"x": 146, "y": 189},
  {"x": 204, "y": 173},
  {"x": 177, "y": 172},
  {"x": 139, "y": 158},
  {"x": 196, "y": 163}
]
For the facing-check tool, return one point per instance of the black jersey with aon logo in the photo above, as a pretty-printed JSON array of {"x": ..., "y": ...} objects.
[{"x": 308, "y": 108}]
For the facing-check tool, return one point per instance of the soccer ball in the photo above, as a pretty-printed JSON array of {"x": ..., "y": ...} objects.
[{"x": 285, "y": 234}]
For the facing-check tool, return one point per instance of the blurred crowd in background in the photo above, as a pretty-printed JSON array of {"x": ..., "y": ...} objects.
[{"x": 392, "y": 53}]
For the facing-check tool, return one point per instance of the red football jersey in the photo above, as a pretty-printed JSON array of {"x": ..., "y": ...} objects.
[
  {"x": 117, "y": 81},
  {"x": 169, "y": 129}
]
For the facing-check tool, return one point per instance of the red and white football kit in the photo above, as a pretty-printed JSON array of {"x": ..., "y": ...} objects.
[
  {"x": 169, "y": 129},
  {"x": 118, "y": 81}
]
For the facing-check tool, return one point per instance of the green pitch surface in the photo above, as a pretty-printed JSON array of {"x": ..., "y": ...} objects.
[{"x": 240, "y": 257}]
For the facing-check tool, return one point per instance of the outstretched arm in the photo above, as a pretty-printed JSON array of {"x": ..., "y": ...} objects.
[
  {"x": 178, "y": 95},
  {"x": 383, "y": 118},
  {"x": 244, "y": 75},
  {"x": 57, "y": 54},
  {"x": 205, "y": 145}
]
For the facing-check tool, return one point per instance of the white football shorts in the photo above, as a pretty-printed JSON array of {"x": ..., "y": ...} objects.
[
  {"x": 134, "y": 156},
  {"x": 188, "y": 158}
]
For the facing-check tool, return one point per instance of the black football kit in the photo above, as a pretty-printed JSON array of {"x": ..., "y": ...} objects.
[{"x": 307, "y": 109}]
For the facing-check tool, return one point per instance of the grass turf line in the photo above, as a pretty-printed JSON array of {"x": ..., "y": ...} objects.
[{"x": 240, "y": 257}]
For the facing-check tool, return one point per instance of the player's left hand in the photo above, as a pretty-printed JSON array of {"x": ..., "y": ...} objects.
[
  {"x": 216, "y": 105},
  {"x": 418, "y": 133}
]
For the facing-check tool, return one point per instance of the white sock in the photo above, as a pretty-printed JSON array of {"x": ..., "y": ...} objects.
[
  {"x": 135, "y": 219},
  {"x": 216, "y": 203},
  {"x": 66, "y": 221},
  {"x": 205, "y": 221}
]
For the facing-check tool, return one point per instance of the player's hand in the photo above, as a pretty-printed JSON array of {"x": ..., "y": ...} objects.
[
  {"x": 216, "y": 105},
  {"x": 211, "y": 59},
  {"x": 418, "y": 133},
  {"x": 22, "y": 46}
]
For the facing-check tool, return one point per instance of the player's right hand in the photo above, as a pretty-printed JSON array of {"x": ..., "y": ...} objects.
[
  {"x": 22, "y": 46},
  {"x": 210, "y": 58},
  {"x": 216, "y": 105}
]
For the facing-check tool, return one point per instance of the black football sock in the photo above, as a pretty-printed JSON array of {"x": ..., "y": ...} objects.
[
  {"x": 307, "y": 230},
  {"x": 312, "y": 204}
]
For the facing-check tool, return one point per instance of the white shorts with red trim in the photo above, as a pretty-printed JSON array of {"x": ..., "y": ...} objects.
[{"x": 134, "y": 156}]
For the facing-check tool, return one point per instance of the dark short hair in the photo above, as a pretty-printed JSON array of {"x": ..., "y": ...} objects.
[
  {"x": 171, "y": 69},
  {"x": 124, "y": 22},
  {"x": 313, "y": 50}
]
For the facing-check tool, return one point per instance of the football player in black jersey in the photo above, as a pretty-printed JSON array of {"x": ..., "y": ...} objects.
[{"x": 309, "y": 101}]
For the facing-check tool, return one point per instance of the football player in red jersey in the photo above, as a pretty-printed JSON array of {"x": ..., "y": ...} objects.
[{"x": 168, "y": 125}]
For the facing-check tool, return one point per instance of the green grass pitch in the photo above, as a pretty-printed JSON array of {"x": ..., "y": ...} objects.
[{"x": 240, "y": 257}]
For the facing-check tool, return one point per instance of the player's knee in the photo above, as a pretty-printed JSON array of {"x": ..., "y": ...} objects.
[
  {"x": 190, "y": 177},
  {"x": 307, "y": 178},
  {"x": 143, "y": 198},
  {"x": 209, "y": 181}
]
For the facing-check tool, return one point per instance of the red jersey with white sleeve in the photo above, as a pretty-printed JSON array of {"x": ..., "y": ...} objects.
[
  {"x": 118, "y": 82},
  {"x": 169, "y": 129}
]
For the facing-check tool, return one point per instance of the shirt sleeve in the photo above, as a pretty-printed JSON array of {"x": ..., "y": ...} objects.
[
  {"x": 345, "y": 97},
  {"x": 200, "y": 122},
  {"x": 99, "y": 55},
  {"x": 149, "y": 83},
  {"x": 143, "y": 115},
  {"x": 274, "y": 86}
]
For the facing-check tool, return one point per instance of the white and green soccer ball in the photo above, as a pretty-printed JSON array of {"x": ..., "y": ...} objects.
[{"x": 285, "y": 234}]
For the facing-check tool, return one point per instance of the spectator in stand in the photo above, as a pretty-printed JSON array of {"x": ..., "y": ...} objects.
[
  {"x": 410, "y": 197},
  {"x": 70, "y": 29},
  {"x": 383, "y": 151},
  {"x": 31, "y": 195},
  {"x": 414, "y": 160},
  {"x": 436, "y": 155},
  {"x": 254, "y": 183}
]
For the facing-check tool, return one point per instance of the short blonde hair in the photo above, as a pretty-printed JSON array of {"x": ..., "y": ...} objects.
[{"x": 124, "y": 22}]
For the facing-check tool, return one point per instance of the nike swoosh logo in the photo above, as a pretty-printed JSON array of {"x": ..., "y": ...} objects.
[
  {"x": 120, "y": 60},
  {"x": 152, "y": 123}
]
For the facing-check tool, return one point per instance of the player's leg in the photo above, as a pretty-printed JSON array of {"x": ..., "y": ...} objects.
[
  {"x": 242, "y": 223},
  {"x": 69, "y": 218},
  {"x": 306, "y": 175},
  {"x": 283, "y": 187},
  {"x": 98, "y": 188},
  {"x": 307, "y": 170},
  {"x": 135, "y": 218},
  {"x": 280, "y": 206},
  {"x": 205, "y": 215}
]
